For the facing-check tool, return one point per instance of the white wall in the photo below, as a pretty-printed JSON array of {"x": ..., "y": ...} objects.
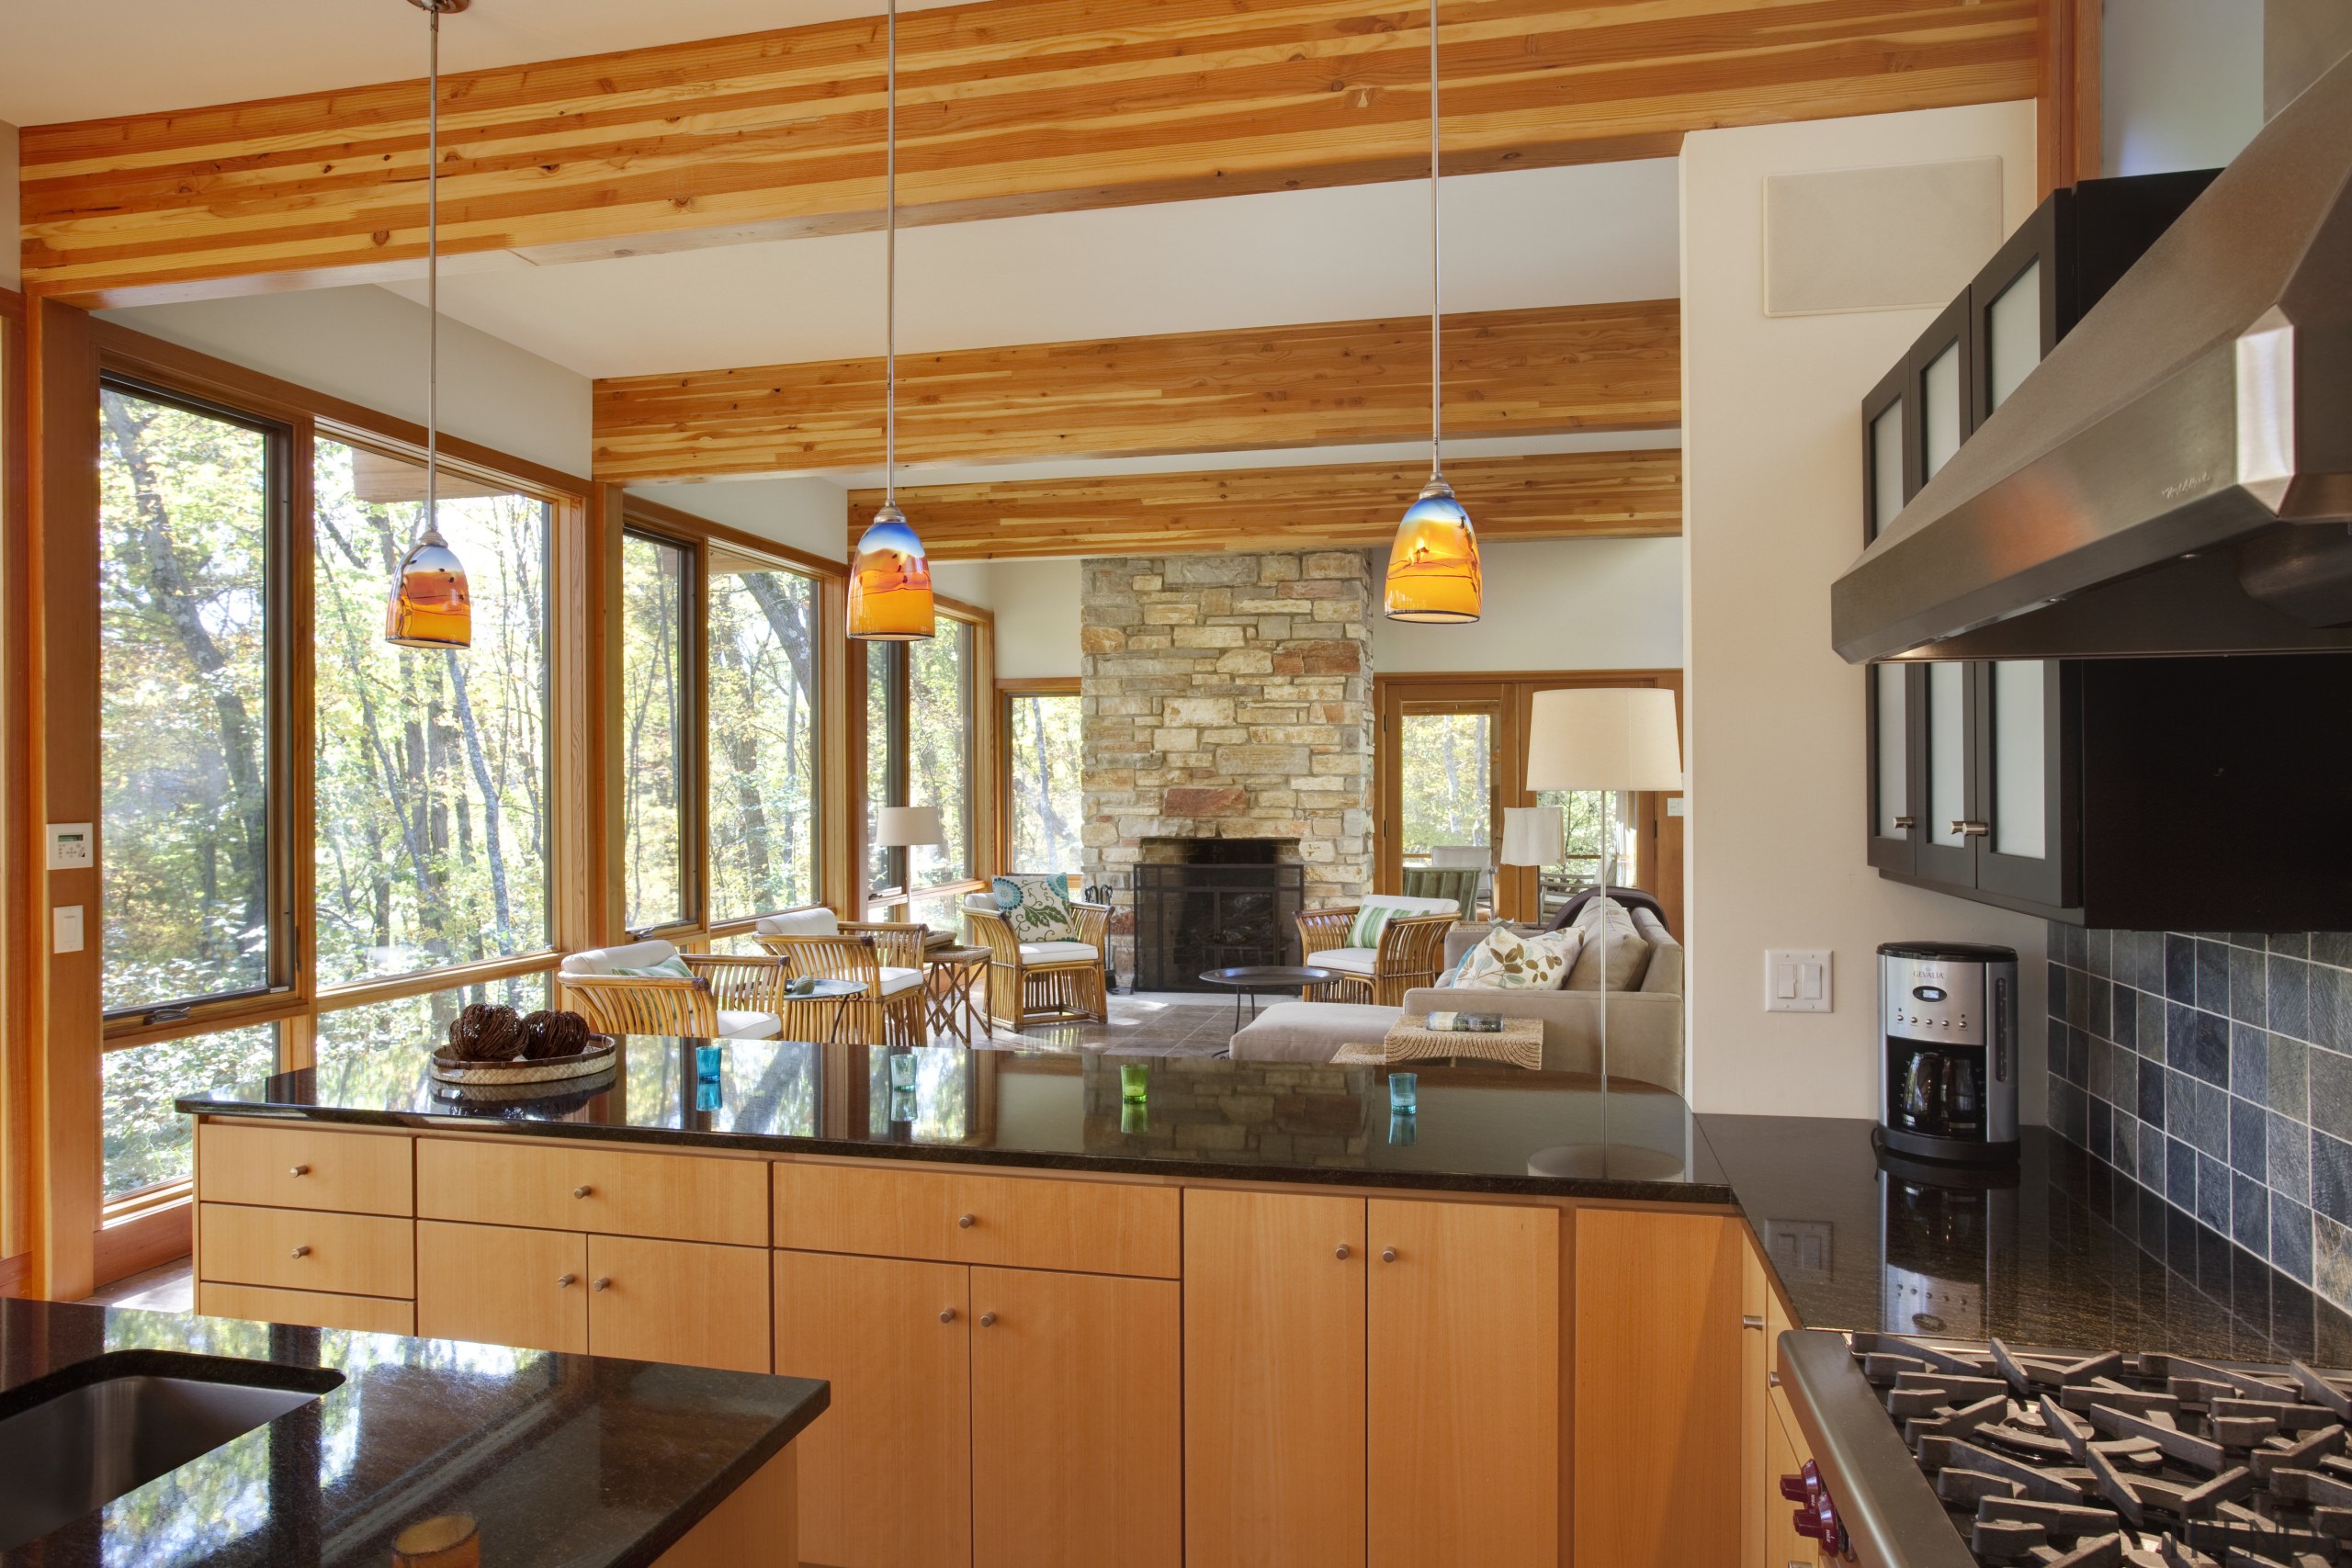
[
  {"x": 367, "y": 346},
  {"x": 1772, "y": 514},
  {"x": 807, "y": 515},
  {"x": 1553, "y": 604},
  {"x": 2180, "y": 84},
  {"x": 11, "y": 250},
  {"x": 1037, "y": 617}
]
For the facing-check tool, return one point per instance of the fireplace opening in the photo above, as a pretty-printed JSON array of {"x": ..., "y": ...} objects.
[{"x": 1204, "y": 904}]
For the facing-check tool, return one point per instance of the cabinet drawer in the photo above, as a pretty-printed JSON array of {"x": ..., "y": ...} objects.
[
  {"x": 681, "y": 1196},
  {"x": 304, "y": 1167},
  {"x": 349, "y": 1255},
  {"x": 1086, "y": 1227},
  {"x": 313, "y": 1309}
]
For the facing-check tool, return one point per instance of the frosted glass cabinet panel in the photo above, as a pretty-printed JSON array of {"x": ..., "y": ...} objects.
[
  {"x": 1946, "y": 754},
  {"x": 2012, "y": 336},
  {"x": 1940, "y": 410},
  {"x": 2020, "y": 759},
  {"x": 1889, "y": 740},
  {"x": 1886, "y": 468}
]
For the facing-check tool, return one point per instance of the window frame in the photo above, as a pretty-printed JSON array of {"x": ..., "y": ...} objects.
[
  {"x": 894, "y": 900},
  {"x": 694, "y": 722},
  {"x": 1008, "y": 692}
]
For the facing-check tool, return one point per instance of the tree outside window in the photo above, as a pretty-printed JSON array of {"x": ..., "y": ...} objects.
[{"x": 1043, "y": 753}]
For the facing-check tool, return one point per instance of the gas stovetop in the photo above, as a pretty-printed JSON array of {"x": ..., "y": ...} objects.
[{"x": 2051, "y": 1459}]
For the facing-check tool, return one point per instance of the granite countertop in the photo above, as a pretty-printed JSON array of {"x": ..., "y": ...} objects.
[
  {"x": 1477, "y": 1130},
  {"x": 579, "y": 1460},
  {"x": 2061, "y": 1252}
]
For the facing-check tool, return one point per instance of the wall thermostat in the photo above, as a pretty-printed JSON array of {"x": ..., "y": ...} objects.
[{"x": 72, "y": 846}]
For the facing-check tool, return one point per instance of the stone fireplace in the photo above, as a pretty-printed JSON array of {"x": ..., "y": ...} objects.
[{"x": 1226, "y": 697}]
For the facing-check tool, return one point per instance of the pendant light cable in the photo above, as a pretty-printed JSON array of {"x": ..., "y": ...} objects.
[
  {"x": 890, "y": 258},
  {"x": 433, "y": 275},
  {"x": 1437, "y": 379}
]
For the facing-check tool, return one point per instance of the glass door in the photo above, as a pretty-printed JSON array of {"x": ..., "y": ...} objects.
[
  {"x": 1895, "y": 695},
  {"x": 1946, "y": 848},
  {"x": 1448, "y": 777},
  {"x": 2024, "y": 851}
]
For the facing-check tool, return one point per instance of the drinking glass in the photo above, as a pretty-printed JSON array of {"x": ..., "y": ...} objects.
[
  {"x": 1404, "y": 1093},
  {"x": 1135, "y": 1082},
  {"x": 706, "y": 1062}
]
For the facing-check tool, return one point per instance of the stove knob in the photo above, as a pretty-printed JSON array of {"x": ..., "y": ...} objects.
[{"x": 1793, "y": 1487}]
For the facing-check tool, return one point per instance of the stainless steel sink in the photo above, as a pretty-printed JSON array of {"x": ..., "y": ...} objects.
[{"x": 109, "y": 1425}]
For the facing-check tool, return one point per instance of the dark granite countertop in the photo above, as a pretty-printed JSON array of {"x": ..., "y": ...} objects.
[
  {"x": 2068, "y": 1253},
  {"x": 1477, "y": 1130},
  {"x": 579, "y": 1460}
]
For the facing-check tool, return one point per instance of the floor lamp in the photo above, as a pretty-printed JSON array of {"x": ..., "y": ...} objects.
[{"x": 1607, "y": 739}]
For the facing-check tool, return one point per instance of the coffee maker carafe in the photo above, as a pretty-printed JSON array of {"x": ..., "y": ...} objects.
[{"x": 1948, "y": 1069}]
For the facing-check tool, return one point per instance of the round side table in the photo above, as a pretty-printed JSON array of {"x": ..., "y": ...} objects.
[{"x": 1250, "y": 979}]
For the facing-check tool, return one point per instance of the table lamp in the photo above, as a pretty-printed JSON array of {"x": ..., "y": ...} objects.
[
  {"x": 907, "y": 826},
  {"x": 1607, "y": 739},
  {"x": 1533, "y": 835}
]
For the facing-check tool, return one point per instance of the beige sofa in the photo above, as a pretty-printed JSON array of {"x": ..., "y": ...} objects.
[{"x": 1644, "y": 1019}]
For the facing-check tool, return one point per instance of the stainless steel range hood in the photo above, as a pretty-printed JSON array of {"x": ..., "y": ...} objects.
[{"x": 2176, "y": 476}]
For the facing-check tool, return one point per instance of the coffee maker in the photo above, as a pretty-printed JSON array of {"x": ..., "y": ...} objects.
[{"x": 1948, "y": 1062}]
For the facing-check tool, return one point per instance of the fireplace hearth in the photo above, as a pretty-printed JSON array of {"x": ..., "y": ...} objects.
[{"x": 1204, "y": 904}]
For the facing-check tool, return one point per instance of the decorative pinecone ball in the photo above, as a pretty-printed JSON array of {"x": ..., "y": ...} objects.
[
  {"x": 550, "y": 1034},
  {"x": 485, "y": 1033}
]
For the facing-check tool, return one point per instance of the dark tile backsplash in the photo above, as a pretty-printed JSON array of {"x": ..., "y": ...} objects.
[{"x": 2215, "y": 1070}]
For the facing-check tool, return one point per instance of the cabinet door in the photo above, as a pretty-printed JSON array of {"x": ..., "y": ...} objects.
[
  {"x": 685, "y": 1301},
  {"x": 1077, "y": 1421},
  {"x": 1658, "y": 1379},
  {"x": 1463, "y": 1386},
  {"x": 2023, "y": 779},
  {"x": 1946, "y": 848},
  {"x": 886, "y": 1473},
  {"x": 503, "y": 1286},
  {"x": 1895, "y": 701},
  {"x": 1273, "y": 1381},
  {"x": 1783, "y": 1547}
]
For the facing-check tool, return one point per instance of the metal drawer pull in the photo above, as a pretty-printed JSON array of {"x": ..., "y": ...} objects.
[
  {"x": 1969, "y": 828},
  {"x": 300, "y": 1170},
  {"x": 947, "y": 1314},
  {"x": 1906, "y": 821},
  {"x": 1771, "y": 1379},
  {"x": 582, "y": 1191},
  {"x": 1751, "y": 1321},
  {"x": 604, "y": 1284},
  {"x": 1342, "y": 1253},
  {"x": 965, "y": 1222},
  {"x": 1388, "y": 1255},
  {"x": 988, "y": 1320},
  {"x": 302, "y": 1251},
  {"x": 565, "y": 1282}
]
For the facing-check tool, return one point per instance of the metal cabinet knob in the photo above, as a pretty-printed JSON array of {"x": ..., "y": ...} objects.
[
  {"x": 1388, "y": 1255},
  {"x": 582, "y": 1191},
  {"x": 965, "y": 1222},
  {"x": 1969, "y": 828},
  {"x": 604, "y": 1284},
  {"x": 299, "y": 1170},
  {"x": 302, "y": 1251},
  {"x": 1343, "y": 1254},
  {"x": 988, "y": 1320},
  {"x": 1771, "y": 1379},
  {"x": 1906, "y": 821},
  {"x": 947, "y": 1314},
  {"x": 1751, "y": 1321}
]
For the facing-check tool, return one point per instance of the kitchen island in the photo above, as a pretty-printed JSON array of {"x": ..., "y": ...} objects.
[
  {"x": 1254, "y": 1319},
  {"x": 558, "y": 1460}
]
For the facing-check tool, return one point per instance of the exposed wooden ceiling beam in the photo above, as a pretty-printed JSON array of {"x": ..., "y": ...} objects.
[
  {"x": 1507, "y": 373},
  {"x": 1561, "y": 495},
  {"x": 1006, "y": 107}
]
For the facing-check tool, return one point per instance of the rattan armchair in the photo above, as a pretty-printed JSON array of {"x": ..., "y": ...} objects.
[
  {"x": 726, "y": 997},
  {"x": 1412, "y": 950},
  {"x": 884, "y": 957},
  {"x": 1051, "y": 982}
]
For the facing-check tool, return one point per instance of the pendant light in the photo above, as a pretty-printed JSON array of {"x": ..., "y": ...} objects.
[
  {"x": 1433, "y": 565},
  {"x": 889, "y": 577},
  {"x": 430, "y": 606}
]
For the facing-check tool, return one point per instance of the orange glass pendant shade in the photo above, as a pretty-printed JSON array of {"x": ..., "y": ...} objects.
[
  {"x": 430, "y": 606},
  {"x": 889, "y": 582},
  {"x": 1433, "y": 565}
]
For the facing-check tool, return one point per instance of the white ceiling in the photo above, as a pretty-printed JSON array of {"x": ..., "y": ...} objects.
[
  {"x": 1601, "y": 232},
  {"x": 88, "y": 59}
]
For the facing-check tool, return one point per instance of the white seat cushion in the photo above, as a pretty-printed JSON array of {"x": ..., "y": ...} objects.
[
  {"x": 1353, "y": 960},
  {"x": 896, "y": 980},
  {"x": 1059, "y": 953},
  {"x": 606, "y": 960},
  {"x": 1413, "y": 905},
  {"x": 733, "y": 1025},
  {"x": 984, "y": 902},
  {"x": 801, "y": 922}
]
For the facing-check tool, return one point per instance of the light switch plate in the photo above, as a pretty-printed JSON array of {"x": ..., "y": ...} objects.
[
  {"x": 72, "y": 846},
  {"x": 65, "y": 929},
  {"x": 1796, "y": 979}
]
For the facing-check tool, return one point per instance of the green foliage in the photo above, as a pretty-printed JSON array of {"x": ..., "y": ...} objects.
[
  {"x": 1047, "y": 804},
  {"x": 1446, "y": 778},
  {"x": 939, "y": 749},
  {"x": 144, "y": 1141},
  {"x": 763, "y": 790},
  {"x": 654, "y": 876}
]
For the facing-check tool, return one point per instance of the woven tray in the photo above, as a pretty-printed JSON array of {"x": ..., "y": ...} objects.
[
  {"x": 599, "y": 1057},
  {"x": 1519, "y": 1042}
]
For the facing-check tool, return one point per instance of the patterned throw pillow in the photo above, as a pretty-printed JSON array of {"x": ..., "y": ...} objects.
[
  {"x": 1508, "y": 960},
  {"x": 1036, "y": 907},
  {"x": 1371, "y": 918}
]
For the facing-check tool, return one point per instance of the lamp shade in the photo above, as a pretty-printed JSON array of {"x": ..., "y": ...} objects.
[
  {"x": 1533, "y": 835},
  {"x": 904, "y": 826},
  {"x": 430, "y": 605},
  {"x": 1433, "y": 565},
  {"x": 1604, "y": 738},
  {"x": 889, "y": 582}
]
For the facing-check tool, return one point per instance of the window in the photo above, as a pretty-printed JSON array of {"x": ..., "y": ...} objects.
[
  {"x": 1445, "y": 780},
  {"x": 430, "y": 782},
  {"x": 1580, "y": 815},
  {"x": 352, "y": 1041},
  {"x": 762, "y": 795},
  {"x": 939, "y": 751},
  {"x": 188, "y": 500},
  {"x": 885, "y": 758},
  {"x": 1043, "y": 803},
  {"x": 657, "y": 744},
  {"x": 146, "y": 1142}
]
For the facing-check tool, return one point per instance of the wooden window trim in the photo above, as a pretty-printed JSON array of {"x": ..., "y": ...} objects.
[{"x": 23, "y": 951}]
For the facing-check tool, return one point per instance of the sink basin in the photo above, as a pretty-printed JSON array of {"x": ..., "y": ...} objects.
[{"x": 74, "y": 1442}]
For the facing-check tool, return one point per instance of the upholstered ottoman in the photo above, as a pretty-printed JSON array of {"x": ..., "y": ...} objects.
[{"x": 1311, "y": 1032}]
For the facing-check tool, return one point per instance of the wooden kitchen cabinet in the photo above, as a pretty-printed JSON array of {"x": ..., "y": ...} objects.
[
  {"x": 1659, "y": 1301},
  {"x": 301, "y": 1249},
  {"x": 685, "y": 1301},
  {"x": 1077, "y": 1421},
  {"x": 962, "y": 1216},
  {"x": 304, "y": 1167},
  {"x": 887, "y": 1473},
  {"x": 501, "y": 1285},
  {"x": 1463, "y": 1386},
  {"x": 1273, "y": 1380},
  {"x": 575, "y": 1187},
  {"x": 1786, "y": 1454}
]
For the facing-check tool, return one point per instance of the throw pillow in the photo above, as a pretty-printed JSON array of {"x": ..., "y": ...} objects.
[
  {"x": 1618, "y": 945},
  {"x": 1036, "y": 907},
  {"x": 1371, "y": 918},
  {"x": 668, "y": 969},
  {"x": 1508, "y": 960}
]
